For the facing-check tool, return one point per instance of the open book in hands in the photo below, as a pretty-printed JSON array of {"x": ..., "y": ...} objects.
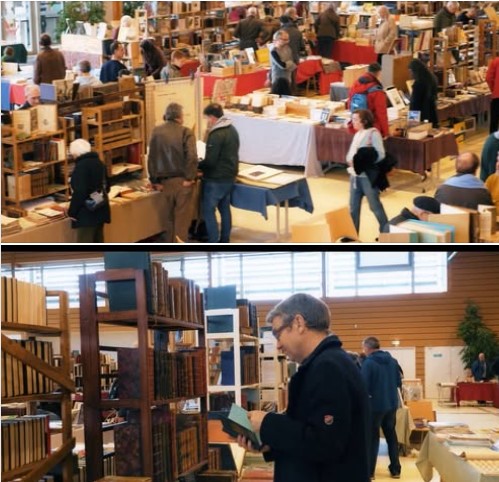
[{"x": 238, "y": 423}]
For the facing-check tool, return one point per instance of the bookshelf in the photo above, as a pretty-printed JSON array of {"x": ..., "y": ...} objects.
[
  {"x": 34, "y": 162},
  {"x": 232, "y": 361},
  {"x": 488, "y": 32},
  {"x": 116, "y": 132},
  {"x": 29, "y": 376},
  {"x": 159, "y": 439}
]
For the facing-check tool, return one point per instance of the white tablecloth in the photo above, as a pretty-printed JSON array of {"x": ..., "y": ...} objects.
[{"x": 266, "y": 141}]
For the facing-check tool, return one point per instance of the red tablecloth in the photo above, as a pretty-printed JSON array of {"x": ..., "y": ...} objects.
[
  {"x": 245, "y": 84},
  {"x": 325, "y": 81},
  {"x": 17, "y": 94},
  {"x": 308, "y": 68},
  {"x": 487, "y": 391},
  {"x": 349, "y": 52}
]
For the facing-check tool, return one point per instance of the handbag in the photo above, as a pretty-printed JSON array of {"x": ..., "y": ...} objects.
[{"x": 97, "y": 199}]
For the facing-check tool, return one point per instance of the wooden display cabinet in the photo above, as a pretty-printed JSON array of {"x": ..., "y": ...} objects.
[
  {"x": 145, "y": 410},
  {"x": 61, "y": 375},
  {"x": 488, "y": 33},
  {"x": 116, "y": 132},
  {"x": 33, "y": 167}
]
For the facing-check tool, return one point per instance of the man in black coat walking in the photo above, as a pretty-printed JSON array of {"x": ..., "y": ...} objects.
[{"x": 323, "y": 435}]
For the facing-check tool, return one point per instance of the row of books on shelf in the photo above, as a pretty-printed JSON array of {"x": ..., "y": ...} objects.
[
  {"x": 176, "y": 298},
  {"x": 175, "y": 375},
  {"x": 35, "y": 183},
  {"x": 177, "y": 444},
  {"x": 36, "y": 120},
  {"x": 19, "y": 379},
  {"x": 25, "y": 440},
  {"x": 453, "y": 225},
  {"x": 15, "y": 309},
  {"x": 222, "y": 402},
  {"x": 249, "y": 366}
]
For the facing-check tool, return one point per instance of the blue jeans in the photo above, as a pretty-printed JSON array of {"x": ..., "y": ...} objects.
[
  {"x": 216, "y": 195},
  {"x": 359, "y": 187}
]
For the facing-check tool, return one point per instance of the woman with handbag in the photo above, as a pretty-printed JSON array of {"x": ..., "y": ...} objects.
[
  {"x": 89, "y": 207},
  {"x": 365, "y": 151}
]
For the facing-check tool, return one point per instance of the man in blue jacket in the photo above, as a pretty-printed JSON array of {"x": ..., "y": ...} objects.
[
  {"x": 323, "y": 435},
  {"x": 382, "y": 376}
]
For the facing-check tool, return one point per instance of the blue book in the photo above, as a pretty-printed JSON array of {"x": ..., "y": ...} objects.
[
  {"x": 439, "y": 227},
  {"x": 220, "y": 297}
]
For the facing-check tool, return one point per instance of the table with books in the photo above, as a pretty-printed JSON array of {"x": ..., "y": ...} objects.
[
  {"x": 270, "y": 187},
  {"x": 487, "y": 391},
  {"x": 463, "y": 106},
  {"x": 350, "y": 53},
  {"x": 285, "y": 141},
  {"x": 133, "y": 218},
  {"x": 245, "y": 83},
  {"x": 411, "y": 154},
  {"x": 312, "y": 67},
  {"x": 458, "y": 454}
]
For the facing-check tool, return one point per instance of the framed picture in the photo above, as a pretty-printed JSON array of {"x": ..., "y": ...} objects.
[
  {"x": 414, "y": 116},
  {"x": 395, "y": 99}
]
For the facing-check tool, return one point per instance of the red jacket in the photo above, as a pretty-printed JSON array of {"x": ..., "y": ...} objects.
[
  {"x": 376, "y": 101},
  {"x": 493, "y": 78}
]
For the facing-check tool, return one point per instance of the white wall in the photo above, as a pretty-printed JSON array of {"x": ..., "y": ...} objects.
[
  {"x": 406, "y": 356},
  {"x": 442, "y": 364}
]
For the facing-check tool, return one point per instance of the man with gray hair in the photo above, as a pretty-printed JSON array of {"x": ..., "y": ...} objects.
[
  {"x": 446, "y": 17},
  {"x": 32, "y": 94},
  {"x": 172, "y": 167},
  {"x": 250, "y": 30},
  {"x": 323, "y": 435},
  {"x": 464, "y": 189},
  {"x": 382, "y": 376}
]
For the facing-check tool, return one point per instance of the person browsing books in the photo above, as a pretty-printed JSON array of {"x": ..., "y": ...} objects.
[
  {"x": 32, "y": 94},
  {"x": 322, "y": 436},
  {"x": 219, "y": 168}
]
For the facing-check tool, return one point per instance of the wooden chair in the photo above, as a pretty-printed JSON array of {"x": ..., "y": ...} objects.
[{"x": 421, "y": 412}]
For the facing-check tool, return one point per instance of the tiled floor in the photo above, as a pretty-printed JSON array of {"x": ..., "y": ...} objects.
[{"x": 475, "y": 417}]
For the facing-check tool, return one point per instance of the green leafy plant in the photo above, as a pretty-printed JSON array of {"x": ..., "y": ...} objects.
[
  {"x": 130, "y": 7},
  {"x": 477, "y": 336},
  {"x": 93, "y": 12}
]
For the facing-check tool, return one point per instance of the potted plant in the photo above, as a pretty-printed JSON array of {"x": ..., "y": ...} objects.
[
  {"x": 72, "y": 12},
  {"x": 477, "y": 336}
]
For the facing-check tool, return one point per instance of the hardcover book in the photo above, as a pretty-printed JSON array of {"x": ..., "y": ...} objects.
[{"x": 238, "y": 423}]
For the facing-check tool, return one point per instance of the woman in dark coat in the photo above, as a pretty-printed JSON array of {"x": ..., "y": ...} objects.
[
  {"x": 154, "y": 60},
  {"x": 88, "y": 177},
  {"x": 424, "y": 92}
]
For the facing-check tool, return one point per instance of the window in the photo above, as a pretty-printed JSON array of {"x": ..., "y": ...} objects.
[
  {"x": 272, "y": 276},
  {"x": 423, "y": 272}
]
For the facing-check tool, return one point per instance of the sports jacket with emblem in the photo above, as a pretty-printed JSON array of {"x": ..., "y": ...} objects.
[{"x": 323, "y": 435}]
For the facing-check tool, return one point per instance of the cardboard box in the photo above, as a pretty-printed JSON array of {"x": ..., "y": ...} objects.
[
  {"x": 352, "y": 73},
  {"x": 222, "y": 71}
]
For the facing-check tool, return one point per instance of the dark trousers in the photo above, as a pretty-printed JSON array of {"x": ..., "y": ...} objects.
[
  {"x": 90, "y": 234},
  {"x": 385, "y": 420},
  {"x": 494, "y": 115},
  {"x": 325, "y": 47}
]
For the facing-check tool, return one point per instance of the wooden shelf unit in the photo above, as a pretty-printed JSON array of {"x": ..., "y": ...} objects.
[
  {"x": 113, "y": 128},
  {"x": 52, "y": 174},
  {"x": 61, "y": 375},
  {"x": 93, "y": 404},
  {"x": 488, "y": 32}
]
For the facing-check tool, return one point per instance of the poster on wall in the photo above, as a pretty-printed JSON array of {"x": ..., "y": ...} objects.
[{"x": 184, "y": 91}]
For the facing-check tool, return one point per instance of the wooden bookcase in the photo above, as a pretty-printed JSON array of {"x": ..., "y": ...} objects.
[
  {"x": 116, "y": 132},
  {"x": 145, "y": 403},
  {"x": 32, "y": 168},
  {"x": 60, "y": 375},
  {"x": 488, "y": 33}
]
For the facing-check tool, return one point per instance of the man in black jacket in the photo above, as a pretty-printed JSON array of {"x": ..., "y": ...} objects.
[
  {"x": 219, "y": 168},
  {"x": 323, "y": 435}
]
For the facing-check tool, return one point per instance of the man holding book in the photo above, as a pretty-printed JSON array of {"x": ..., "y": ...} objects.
[{"x": 323, "y": 435}]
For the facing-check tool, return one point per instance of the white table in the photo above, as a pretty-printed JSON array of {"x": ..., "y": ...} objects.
[{"x": 279, "y": 142}]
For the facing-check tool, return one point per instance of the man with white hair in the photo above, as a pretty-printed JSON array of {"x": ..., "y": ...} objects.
[
  {"x": 89, "y": 207},
  {"x": 385, "y": 34},
  {"x": 32, "y": 94},
  {"x": 446, "y": 17},
  {"x": 250, "y": 30}
]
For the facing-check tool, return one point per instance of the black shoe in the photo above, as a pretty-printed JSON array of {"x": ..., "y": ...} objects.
[{"x": 395, "y": 476}]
